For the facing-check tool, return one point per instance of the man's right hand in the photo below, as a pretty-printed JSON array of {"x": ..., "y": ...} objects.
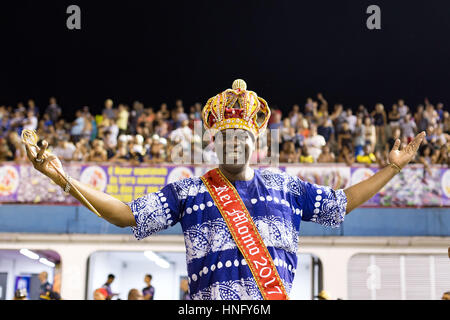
[{"x": 43, "y": 162}]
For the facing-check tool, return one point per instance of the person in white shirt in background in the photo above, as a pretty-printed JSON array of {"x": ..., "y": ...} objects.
[
  {"x": 351, "y": 119},
  {"x": 293, "y": 115},
  {"x": 64, "y": 150},
  {"x": 113, "y": 129},
  {"x": 402, "y": 108},
  {"x": 183, "y": 134},
  {"x": 30, "y": 122},
  {"x": 314, "y": 143},
  {"x": 408, "y": 127}
]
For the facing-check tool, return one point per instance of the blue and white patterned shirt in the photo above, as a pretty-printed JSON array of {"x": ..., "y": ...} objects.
[{"x": 277, "y": 202}]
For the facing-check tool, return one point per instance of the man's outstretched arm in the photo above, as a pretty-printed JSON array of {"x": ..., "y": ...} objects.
[
  {"x": 363, "y": 191},
  {"x": 110, "y": 208}
]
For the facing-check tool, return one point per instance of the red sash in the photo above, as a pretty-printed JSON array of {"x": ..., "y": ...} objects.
[{"x": 245, "y": 234}]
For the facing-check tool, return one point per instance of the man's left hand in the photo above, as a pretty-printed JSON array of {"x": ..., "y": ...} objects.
[{"x": 402, "y": 157}]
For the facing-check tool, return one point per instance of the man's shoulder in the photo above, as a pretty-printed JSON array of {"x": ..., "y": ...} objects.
[
  {"x": 275, "y": 178},
  {"x": 276, "y": 174},
  {"x": 188, "y": 187}
]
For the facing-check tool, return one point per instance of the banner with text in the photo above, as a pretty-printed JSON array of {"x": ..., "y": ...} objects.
[{"x": 413, "y": 186}]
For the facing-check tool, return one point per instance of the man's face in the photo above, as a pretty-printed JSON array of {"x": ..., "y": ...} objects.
[{"x": 234, "y": 147}]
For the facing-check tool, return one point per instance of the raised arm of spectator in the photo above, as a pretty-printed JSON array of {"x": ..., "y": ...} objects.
[
  {"x": 363, "y": 191},
  {"x": 322, "y": 100}
]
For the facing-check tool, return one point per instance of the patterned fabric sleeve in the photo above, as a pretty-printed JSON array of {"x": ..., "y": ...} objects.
[
  {"x": 155, "y": 212},
  {"x": 324, "y": 205}
]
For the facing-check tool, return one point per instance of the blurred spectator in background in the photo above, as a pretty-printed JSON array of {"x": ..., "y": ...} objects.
[
  {"x": 394, "y": 117},
  {"x": 419, "y": 119},
  {"x": 286, "y": 130},
  {"x": 162, "y": 128},
  {"x": 110, "y": 127},
  {"x": 149, "y": 291},
  {"x": 425, "y": 158},
  {"x": 345, "y": 135},
  {"x": 77, "y": 127},
  {"x": 275, "y": 120},
  {"x": 108, "y": 112},
  {"x": 33, "y": 107},
  {"x": 182, "y": 135},
  {"x": 163, "y": 112},
  {"x": 136, "y": 150},
  {"x": 81, "y": 152},
  {"x": 45, "y": 287},
  {"x": 326, "y": 155},
  {"x": 380, "y": 122},
  {"x": 64, "y": 150},
  {"x": 367, "y": 157},
  {"x": 17, "y": 121},
  {"x": 288, "y": 154},
  {"x": 408, "y": 127},
  {"x": 314, "y": 143},
  {"x": 110, "y": 144},
  {"x": 31, "y": 121},
  {"x": 134, "y": 294},
  {"x": 5, "y": 152},
  {"x": 325, "y": 127},
  {"x": 180, "y": 115},
  {"x": 53, "y": 110},
  {"x": 369, "y": 131},
  {"x": 346, "y": 155},
  {"x": 107, "y": 286},
  {"x": 135, "y": 114},
  {"x": 156, "y": 152},
  {"x": 98, "y": 152},
  {"x": 431, "y": 115},
  {"x": 16, "y": 146},
  {"x": 359, "y": 137},
  {"x": 184, "y": 287},
  {"x": 403, "y": 109},
  {"x": 62, "y": 129},
  {"x": 100, "y": 294},
  {"x": 444, "y": 155},
  {"x": 338, "y": 117},
  {"x": 362, "y": 112},
  {"x": 122, "y": 118},
  {"x": 45, "y": 125},
  {"x": 323, "y": 107},
  {"x": 294, "y": 114},
  {"x": 121, "y": 154},
  {"x": 304, "y": 155},
  {"x": 350, "y": 118},
  {"x": 446, "y": 296}
]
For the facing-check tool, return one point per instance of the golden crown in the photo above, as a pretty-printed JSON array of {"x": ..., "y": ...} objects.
[{"x": 237, "y": 108}]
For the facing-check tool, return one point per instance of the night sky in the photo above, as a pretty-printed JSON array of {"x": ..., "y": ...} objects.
[{"x": 285, "y": 50}]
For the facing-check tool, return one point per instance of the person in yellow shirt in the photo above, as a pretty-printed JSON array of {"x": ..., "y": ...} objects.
[
  {"x": 122, "y": 119},
  {"x": 368, "y": 157},
  {"x": 305, "y": 157}
]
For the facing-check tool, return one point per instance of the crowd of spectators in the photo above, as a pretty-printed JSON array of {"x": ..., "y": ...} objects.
[{"x": 313, "y": 133}]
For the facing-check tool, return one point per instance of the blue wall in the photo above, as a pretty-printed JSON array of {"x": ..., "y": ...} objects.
[{"x": 360, "y": 222}]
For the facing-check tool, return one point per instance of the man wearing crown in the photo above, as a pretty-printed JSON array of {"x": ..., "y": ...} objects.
[{"x": 240, "y": 224}]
